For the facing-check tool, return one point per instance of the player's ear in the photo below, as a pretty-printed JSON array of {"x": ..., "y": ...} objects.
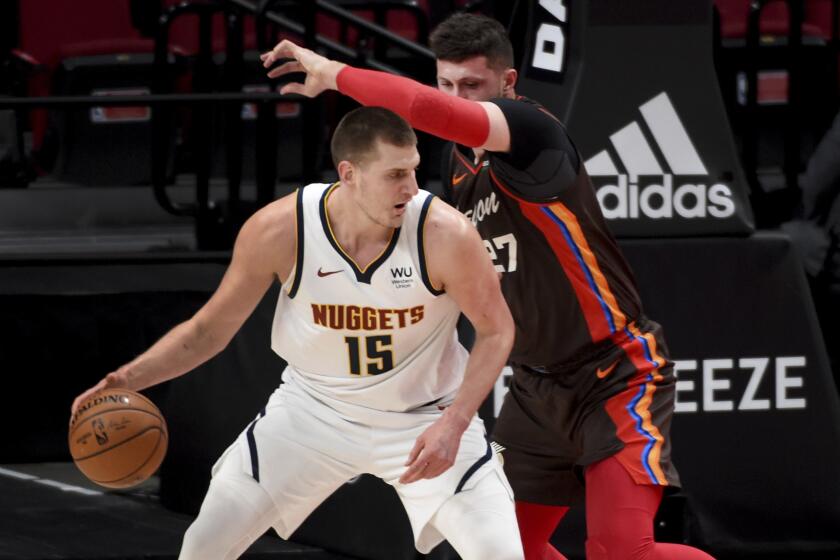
[
  {"x": 509, "y": 79},
  {"x": 346, "y": 171}
]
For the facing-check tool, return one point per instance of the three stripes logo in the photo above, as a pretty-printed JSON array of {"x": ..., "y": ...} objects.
[{"x": 621, "y": 192}]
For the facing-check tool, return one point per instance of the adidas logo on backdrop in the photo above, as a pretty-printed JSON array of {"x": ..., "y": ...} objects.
[{"x": 680, "y": 188}]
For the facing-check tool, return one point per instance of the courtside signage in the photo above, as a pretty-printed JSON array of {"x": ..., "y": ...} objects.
[
  {"x": 550, "y": 32},
  {"x": 652, "y": 169},
  {"x": 721, "y": 385}
]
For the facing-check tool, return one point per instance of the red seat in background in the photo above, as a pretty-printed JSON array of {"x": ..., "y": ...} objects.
[
  {"x": 51, "y": 30},
  {"x": 774, "y": 19},
  {"x": 399, "y": 21}
]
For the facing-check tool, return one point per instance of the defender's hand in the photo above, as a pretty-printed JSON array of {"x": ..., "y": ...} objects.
[{"x": 320, "y": 72}]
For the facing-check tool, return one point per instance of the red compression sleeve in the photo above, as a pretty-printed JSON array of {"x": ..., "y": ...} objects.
[{"x": 462, "y": 121}]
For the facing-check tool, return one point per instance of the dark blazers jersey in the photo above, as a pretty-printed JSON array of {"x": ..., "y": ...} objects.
[{"x": 569, "y": 288}]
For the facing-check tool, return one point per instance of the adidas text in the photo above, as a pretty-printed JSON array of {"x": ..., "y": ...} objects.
[{"x": 660, "y": 200}]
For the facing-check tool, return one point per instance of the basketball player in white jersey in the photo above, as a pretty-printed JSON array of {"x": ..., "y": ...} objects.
[{"x": 375, "y": 274}]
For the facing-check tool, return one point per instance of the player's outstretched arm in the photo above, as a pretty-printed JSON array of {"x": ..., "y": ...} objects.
[
  {"x": 264, "y": 250},
  {"x": 469, "y": 123},
  {"x": 458, "y": 263}
]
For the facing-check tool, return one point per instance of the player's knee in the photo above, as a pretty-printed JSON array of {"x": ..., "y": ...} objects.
[
  {"x": 595, "y": 550},
  {"x": 618, "y": 547},
  {"x": 510, "y": 549},
  {"x": 481, "y": 522},
  {"x": 218, "y": 526},
  {"x": 197, "y": 543},
  {"x": 490, "y": 540}
]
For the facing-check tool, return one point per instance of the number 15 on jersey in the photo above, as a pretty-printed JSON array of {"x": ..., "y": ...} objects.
[{"x": 379, "y": 354}]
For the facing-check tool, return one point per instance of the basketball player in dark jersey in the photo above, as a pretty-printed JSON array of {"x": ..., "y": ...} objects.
[{"x": 592, "y": 395}]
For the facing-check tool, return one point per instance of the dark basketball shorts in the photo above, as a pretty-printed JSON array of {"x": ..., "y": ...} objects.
[{"x": 619, "y": 402}]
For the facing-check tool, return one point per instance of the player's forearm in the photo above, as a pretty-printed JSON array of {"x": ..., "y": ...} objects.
[
  {"x": 487, "y": 358},
  {"x": 425, "y": 108},
  {"x": 180, "y": 350}
]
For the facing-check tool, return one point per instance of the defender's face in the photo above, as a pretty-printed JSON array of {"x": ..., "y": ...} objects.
[
  {"x": 387, "y": 183},
  {"x": 471, "y": 79}
]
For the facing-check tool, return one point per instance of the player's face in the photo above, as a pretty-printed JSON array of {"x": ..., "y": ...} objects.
[
  {"x": 471, "y": 79},
  {"x": 387, "y": 182}
]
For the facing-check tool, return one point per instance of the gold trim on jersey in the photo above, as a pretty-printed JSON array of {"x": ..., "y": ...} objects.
[{"x": 338, "y": 245}]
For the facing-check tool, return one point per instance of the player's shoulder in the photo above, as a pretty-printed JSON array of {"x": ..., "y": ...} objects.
[
  {"x": 274, "y": 225},
  {"x": 443, "y": 224},
  {"x": 525, "y": 108}
]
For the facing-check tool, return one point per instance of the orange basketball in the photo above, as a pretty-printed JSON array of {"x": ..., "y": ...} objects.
[{"x": 118, "y": 438}]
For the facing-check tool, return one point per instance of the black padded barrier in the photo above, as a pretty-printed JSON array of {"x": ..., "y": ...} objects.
[
  {"x": 756, "y": 434},
  {"x": 635, "y": 84},
  {"x": 757, "y": 429}
]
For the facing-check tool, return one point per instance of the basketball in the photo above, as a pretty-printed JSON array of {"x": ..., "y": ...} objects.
[{"x": 118, "y": 438}]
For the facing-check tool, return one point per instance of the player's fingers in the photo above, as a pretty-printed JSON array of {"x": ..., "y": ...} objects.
[
  {"x": 74, "y": 406},
  {"x": 269, "y": 58},
  {"x": 415, "y": 451},
  {"x": 285, "y": 49},
  {"x": 294, "y": 87},
  {"x": 286, "y": 68},
  {"x": 274, "y": 54},
  {"x": 417, "y": 461},
  {"x": 434, "y": 464},
  {"x": 433, "y": 471},
  {"x": 437, "y": 467},
  {"x": 110, "y": 380},
  {"x": 80, "y": 399},
  {"x": 437, "y": 463},
  {"x": 415, "y": 471}
]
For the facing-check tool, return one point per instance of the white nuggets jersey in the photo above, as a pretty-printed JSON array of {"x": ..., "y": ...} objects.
[{"x": 381, "y": 338}]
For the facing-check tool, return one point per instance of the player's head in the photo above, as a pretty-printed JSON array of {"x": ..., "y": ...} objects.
[
  {"x": 474, "y": 57},
  {"x": 375, "y": 153}
]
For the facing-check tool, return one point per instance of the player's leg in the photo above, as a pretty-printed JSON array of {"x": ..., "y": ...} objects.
[
  {"x": 296, "y": 454},
  {"x": 619, "y": 517},
  {"x": 537, "y": 522},
  {"x": 623, "y": 491},
  {"x": 538, "y": 460},
  {"x": 480, "y": 523},
  {"x": 470, "y": 503},
  {"x": 236, "y": 511}
]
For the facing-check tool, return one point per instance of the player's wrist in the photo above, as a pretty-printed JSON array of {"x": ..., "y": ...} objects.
[
  {"x": 459, "y": 418},
  {"x": 331, "y": 72}
]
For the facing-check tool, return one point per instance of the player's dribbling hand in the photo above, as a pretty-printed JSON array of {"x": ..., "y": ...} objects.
[
  {"x": 320, "y": 72},
  {"x": 110, "y": 381},
  {"x": 434, "y": 451}
]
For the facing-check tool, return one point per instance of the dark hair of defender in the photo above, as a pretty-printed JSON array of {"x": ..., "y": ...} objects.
[{"x": 463, "y": 36}]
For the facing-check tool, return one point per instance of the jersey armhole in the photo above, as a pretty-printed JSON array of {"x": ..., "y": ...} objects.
[
  {"x": 446, "y": 174},
  {"x": 297, "y": 270},
  {"x": 421, "y": 251}
]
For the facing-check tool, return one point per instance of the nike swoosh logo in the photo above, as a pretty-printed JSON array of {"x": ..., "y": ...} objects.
[
  {"x": 457, "y": 179},
  {"x": 321, "y": 273},
  {"x": 602, "y": 373}
]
